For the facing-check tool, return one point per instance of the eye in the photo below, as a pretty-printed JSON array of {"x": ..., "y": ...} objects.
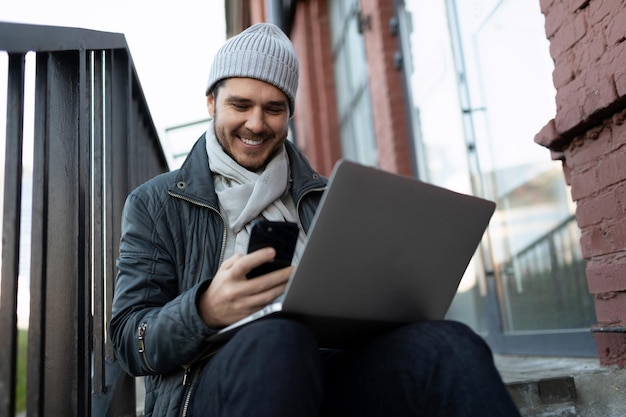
[
  {"x": 240, "y": 107},
  {"x": 275, "y": 110}
]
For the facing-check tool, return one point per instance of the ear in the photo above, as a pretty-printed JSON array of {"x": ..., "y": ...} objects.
[{"x": 210, "y": 102}]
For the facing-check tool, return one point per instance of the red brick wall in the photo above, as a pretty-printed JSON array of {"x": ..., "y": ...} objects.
[
  {"x": 315, "y": 119},
  {"x": 386, "y": 88},
  {"x": 588, "y": 133},
  {"x": 257, "y": 11},
  {"x": 316, "y": 110}
]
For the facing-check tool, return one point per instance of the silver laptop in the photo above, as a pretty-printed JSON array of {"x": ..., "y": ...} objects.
[{"x": 383, "y": 250}]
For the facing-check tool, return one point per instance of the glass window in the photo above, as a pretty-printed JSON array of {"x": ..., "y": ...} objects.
[{"x": 480, "y": 80}]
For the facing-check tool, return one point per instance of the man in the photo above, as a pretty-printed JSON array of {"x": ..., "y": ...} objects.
[{"x": 182, "y": 276}]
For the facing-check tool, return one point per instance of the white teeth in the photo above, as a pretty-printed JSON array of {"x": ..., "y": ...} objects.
[{"x": 251, "y": 142}]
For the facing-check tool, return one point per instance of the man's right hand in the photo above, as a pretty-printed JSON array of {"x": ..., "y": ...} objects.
[{"x": 231, "y": 296}]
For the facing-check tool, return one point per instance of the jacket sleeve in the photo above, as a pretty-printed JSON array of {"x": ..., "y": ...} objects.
[{"x": 154, "y": 328}]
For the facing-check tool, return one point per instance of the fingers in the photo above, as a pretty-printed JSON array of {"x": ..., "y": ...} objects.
[
  {"x": 228, "y": 263},
  {"x": 231, "y": 296},
  {"x": 270, "y": 281},
  {"x": 258, "y": 292},
  {"x": 242, "y": 264}
]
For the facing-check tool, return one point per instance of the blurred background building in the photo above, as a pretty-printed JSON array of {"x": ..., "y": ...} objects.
[{"x": 454, "y": 93}]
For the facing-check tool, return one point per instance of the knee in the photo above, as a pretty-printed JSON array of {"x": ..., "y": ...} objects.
[
  {"x": 458, "y": 346},
  {"x": 447, "y": 340},
  {"x": 275, "y": 337},
  {"x": 453, "y": 333}
]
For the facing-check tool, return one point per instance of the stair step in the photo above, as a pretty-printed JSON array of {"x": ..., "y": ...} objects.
[
  {"x": 548, "y": 397},
  {"x": 564, "y": 387}
]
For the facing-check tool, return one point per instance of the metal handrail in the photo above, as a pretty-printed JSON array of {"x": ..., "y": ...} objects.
[{"x": 94, "y": 141}]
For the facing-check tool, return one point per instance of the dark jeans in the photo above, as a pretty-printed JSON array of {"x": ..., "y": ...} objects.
[{"x": 274, "y": 368}]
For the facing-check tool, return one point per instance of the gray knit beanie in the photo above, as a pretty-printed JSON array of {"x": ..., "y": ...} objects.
[{"x": 262, "y": 51}]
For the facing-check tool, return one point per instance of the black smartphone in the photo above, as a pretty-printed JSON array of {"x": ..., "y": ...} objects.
[{"x": 282, "y": 236}]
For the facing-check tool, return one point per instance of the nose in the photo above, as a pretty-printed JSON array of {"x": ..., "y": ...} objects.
[{"x": 256, "y": 120}]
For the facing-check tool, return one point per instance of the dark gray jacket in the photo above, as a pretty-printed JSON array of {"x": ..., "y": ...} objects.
[{"x": 172, "y": 245}]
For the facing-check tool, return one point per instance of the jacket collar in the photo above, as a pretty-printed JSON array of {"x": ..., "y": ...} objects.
[{"x": 194, "y": 181}]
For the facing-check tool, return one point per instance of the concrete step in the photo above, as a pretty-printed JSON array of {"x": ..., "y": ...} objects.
[{"x": 564, "y": 387}]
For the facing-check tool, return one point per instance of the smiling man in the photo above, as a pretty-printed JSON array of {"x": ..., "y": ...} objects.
[{"x": 182, "y": 276}]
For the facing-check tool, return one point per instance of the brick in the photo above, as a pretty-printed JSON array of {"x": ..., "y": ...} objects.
[
  {"x": 611, "y": 307},
  {"x": 562, "y": 75},
  {"x": 611, "y": 169},
  {"x": 568, "y": 34},
  {"x": 590, "y": 149},
  {"x": 555, "y": 16},
  {"x": 593, "y": 48},
  {"x": 619, "y": 125},
  {"x": 598, "y": 10},
  {"x": 567, "y": 172},
  {"x": 603, "y": 239},
  {"x": 584, "y": 184},
  {"x": 607, "y": 274},
  {"x": 587, "y": 242},
  {"x": 615, "y": 62},
  {"x": 568, "y": 118},
  {"x": 616, "y": 28},
  {"x": 569, "y": 60},
  {"x": 599, "y": 94},
  {"x": 578, "y": 5},
  {"x": 595, "y": 210},
  {"x": 569, "y": 109},
  {"x": 611, "y": 348},
  {"x": 547, "y": 135},
  {"x": 545, "y": 5},
  {"x": 619, "y": 197}
]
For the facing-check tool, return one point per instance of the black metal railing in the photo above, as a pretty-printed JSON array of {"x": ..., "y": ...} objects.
[
  {"x": 94, "y": 140},
  {"x": 549, "y": 272}
]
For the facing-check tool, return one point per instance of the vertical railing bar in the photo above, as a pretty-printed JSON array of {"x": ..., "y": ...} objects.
[
  {"x": 36, "y": 335},
  {"x": 11, "y": 232},
  {"x": 61, "y": 280},
  {"x": 132, "y": 144},
  {"x": 114, "y": 189},
  {"x": 85, "y": 238},
  {"x": 117, "y": 162},
  {"x": 97, "y": 220},
  {"x": 64, "y": 262}
]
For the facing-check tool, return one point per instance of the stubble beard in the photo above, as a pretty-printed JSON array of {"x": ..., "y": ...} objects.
[{"x": 221, "y": 139}]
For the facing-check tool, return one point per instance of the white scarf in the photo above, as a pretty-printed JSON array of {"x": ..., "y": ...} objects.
[{"x": 245, "y": 195}]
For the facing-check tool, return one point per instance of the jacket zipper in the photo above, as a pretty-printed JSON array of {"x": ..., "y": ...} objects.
[
  {"x": 192, "y": 382},
  {"x": 141, "y": 344},
  {"x": 191, "y": 387},
  {"x": 187, "y": 368},
  {"x": 223, "y": 250}
]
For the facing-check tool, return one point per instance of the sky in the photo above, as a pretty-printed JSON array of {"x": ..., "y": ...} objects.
[{"x": 172, "y": 44}]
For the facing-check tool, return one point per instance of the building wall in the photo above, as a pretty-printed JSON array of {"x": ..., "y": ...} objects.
[
  {"x": 315, "y": 119},
  {"x": 588, "y": 134},
  {"x": 386, "y": 87},
  {"x": 316, "y": 111}
]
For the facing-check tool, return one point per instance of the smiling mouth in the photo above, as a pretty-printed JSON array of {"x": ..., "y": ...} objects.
[{"x": 251, "y": 142}]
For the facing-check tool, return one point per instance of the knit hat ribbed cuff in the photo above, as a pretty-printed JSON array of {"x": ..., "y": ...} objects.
[{"x": 262, "y": 52}]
